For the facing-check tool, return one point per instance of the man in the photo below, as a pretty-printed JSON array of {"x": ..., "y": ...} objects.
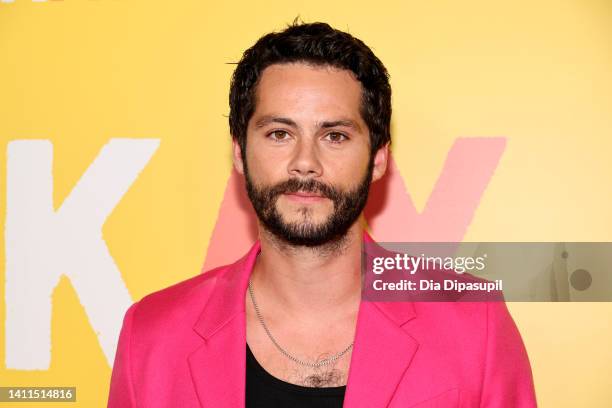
[{"x": 285, "y": 326}]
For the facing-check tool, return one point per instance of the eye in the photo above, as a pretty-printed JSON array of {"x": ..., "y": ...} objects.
[
  {"x": 336, "y": 137},
  {"x": 278, "y": 135}
]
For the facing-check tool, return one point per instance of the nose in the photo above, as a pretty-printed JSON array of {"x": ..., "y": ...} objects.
[{"x": 305, "y": 160}]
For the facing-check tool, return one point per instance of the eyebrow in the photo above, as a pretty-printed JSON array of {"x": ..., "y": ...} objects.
[
  {"x": 266, "y": 120},
  {"x": 340, "y": 123}
]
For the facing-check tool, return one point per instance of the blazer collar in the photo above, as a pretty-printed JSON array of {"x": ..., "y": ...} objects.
[
  {"x": 227, "y": 298},
  {"x": 382, "y": 351}
]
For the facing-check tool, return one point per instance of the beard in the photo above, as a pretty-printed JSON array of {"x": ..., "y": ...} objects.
[{"x": 347, "y": 206}]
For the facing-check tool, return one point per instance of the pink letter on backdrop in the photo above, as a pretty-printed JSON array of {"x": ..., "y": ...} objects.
[{"x": 390, "y": 212}]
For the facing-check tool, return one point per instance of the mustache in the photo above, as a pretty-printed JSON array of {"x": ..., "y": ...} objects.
[{"x": 294, "y": 185}]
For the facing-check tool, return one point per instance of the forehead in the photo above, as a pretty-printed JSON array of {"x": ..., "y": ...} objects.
[{"x": 306, "y": 88}]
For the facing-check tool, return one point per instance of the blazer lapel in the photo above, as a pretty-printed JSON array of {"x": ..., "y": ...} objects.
[
  {"x": 218, "y": 366},
  {"x": 382, "y": 352}
]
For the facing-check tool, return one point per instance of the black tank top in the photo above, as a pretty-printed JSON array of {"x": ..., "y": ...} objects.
[{"x": 263, "y": 390}]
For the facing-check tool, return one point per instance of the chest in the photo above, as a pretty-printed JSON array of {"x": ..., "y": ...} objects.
[{"x": 310, "y": 350}]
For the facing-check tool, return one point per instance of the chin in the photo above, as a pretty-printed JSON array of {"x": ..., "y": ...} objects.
[
  {"x": 302, "y": 221},
  {"x": 303, "y": 214}
]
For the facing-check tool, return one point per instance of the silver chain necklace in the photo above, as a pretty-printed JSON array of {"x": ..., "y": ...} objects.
[{"x": 319, "y": 363}]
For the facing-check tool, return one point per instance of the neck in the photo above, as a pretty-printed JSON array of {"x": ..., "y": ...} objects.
[{"x": 310, "y": 282}]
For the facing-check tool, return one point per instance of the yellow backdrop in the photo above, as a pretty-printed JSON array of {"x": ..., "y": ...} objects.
[{"x": 78, "y": 73}]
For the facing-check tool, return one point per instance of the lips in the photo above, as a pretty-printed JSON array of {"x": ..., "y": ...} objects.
[{"x": 303, "y": 196}]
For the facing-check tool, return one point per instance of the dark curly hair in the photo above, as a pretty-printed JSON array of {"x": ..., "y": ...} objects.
[{"x": 318, "y": 44}]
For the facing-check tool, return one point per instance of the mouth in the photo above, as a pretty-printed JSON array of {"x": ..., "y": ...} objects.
[{"x": 304, "y": 197}]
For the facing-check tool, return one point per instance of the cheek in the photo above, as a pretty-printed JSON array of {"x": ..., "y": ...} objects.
[
  {"x": 264, "y": 166},
  {"x": 349, "y": 169}
]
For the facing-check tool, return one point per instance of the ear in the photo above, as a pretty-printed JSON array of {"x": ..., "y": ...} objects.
[
  {"x": 237, "y": 155},
  {"x": 381, "y": 158}
]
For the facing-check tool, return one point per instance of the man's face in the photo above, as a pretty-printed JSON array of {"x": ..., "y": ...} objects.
[{"x": 308, "y": 167}]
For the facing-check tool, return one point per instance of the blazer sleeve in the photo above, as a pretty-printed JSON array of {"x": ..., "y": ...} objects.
[
  {"x": 121, "y": 392},
  {"x": 508, "y": 380}
]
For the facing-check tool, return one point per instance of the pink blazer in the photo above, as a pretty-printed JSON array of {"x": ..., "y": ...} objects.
[{"x": 184, "y": 346}]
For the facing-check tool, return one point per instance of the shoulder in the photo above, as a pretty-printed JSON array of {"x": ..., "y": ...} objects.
[
  {"x": 467, "y": 326},
  {"x": 482, "y": 316},
  {"x": 179, "y": 303}
]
